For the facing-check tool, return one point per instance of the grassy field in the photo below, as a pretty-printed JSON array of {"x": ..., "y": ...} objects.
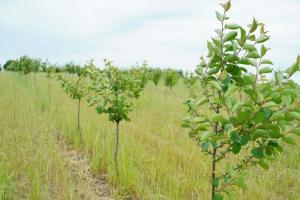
[{"x": 157, "y": 158}]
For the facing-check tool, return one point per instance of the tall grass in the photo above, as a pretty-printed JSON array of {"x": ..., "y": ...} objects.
[
  {"x": 157, "y": 158},
  {"x": 35, "y": 165}
]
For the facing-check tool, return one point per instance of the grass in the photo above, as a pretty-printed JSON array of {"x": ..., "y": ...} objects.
[{"x": 157, "y": 158}]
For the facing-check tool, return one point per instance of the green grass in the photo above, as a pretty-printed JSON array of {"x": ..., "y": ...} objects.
[{"x": 157, "y": 158}]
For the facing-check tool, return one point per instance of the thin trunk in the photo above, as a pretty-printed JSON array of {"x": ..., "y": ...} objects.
[
  {"x": 78, "y": 121},
  {"x": 117, "y": 149},
  {"x": 49, "y": 93},
  {"x": 166, "y": 94},
  {"x": 213, "y": 174},
  {"x": 34, "y": 81}
]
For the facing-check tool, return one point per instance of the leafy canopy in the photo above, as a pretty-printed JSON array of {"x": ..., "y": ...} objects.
[{"x": 113, "y": 91}]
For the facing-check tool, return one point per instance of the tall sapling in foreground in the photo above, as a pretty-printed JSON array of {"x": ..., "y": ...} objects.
[
  {"x": 252, "y": 128},
  {"x": 113, "y": 93}
]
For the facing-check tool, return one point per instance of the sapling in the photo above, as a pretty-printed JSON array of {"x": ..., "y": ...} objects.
[
  {"x": 141, "y": 74},
  {"x": 50, "y": 70},
  {"x": 76, "y": 88},
  {"x": 156, "y": 76},
  {"x": 254, "y": 128},
  {"x": 113, "y": 94},
  {"x": 190, "y": 80},
  {"x": 170, "y": 79}
]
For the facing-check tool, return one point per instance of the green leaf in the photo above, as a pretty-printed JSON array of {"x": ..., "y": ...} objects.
[
  {"x": 245, "y": 139},
  {"x": 219, "y": 16},
  {"x": 227, "y": 6},
  {"x": 265, "y": 70},
  {"x": 266, "y": 61},
  {"x": 231, "y": 58},
  {"x": 215, "y": 84},
  {"x": 278, "y": 77},
  {"x": 249, "y": 47},
  {"x": 263, "y": 50},
  {"x": 244, "y": 116},
  {"x": 252, "y": 62},
  {"x": 293, "y": 115},
  {"x": 232, "y": 26},
  {"x": 210, "y": 48},
  {"x": 202, "y": 101},
  {"x": 277, "y": 116},
  {"x": 289, "y": 140},
  {"x": 260, "y": 133},
  {"x": 243, "y": 36},
  {"x": 236, "y": 148},
  {"x": 257, "y": 152},
  {"x": 215, "y": 182},
  {"x": 213, "y": 71},
  {"x": 259, "y": 117},
  {"x": 219, "y": 118},
  {"x": 263, "y": 164},
  {"x": 237, "y": 106},
  {"x": 269, "y": 104},
  {"x": 293, "y": 69},
  {"x": 253, "y": 54},
  {"x": 253, "y": 26},
  {"x": 262, "y": 39},
  {"x": 230, "y": 36}
]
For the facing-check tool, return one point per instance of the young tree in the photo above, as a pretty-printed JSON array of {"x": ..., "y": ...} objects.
[
  {"x": 156, "y": 76},
  {"x": 254, "y": 128},
  {"x": 190, "y": 80},
  {"x": 35, "y": 68},
  {"x": 76, "y": 88},
  {"x": 170, "y": 79},
  {"x": 113, "y": 94},
  {"x": 50, "y": 70},
  {"x": 141, "y": 74}
]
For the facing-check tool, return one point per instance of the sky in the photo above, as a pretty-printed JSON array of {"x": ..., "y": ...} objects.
[{"x": 166, "y": 33}]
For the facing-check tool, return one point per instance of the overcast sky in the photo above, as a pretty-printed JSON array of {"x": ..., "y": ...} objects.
[{"x": 167, "y": 33}]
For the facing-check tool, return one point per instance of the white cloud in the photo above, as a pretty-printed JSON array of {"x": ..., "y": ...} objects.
[{"x": 166, "y": 33}]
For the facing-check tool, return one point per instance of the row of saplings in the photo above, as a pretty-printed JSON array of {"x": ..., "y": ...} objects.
[{"x": 251, "y": 113}]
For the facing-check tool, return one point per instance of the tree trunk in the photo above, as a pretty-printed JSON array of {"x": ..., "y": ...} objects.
[
  {"x": 49, "y": 94},
  {"x": 166, "y": 94},
  {"x": 117, "y": 149},
  {"x": 78, "y": 121},
  {"x": 213, "y": 174},
  {"x": 34, "y": 81}
]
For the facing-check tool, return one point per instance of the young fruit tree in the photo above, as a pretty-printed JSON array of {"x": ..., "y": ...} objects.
[
  {"x": 141, "y": 74},
  {"x": 113, "y": 92},
  {"x": 190, "y": 80},
  {"x": 252, "y": 129},
  {"x": 171, "y": 78},
  {"x": 50, "y": 70},
  {"x": 76, "y": 88},
  {"x": 156, "y": 75}
]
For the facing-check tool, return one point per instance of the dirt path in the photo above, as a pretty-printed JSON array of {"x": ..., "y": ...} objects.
[{"x": 88, "y": 186}]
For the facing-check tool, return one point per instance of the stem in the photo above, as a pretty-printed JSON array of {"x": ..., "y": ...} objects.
[
  {"x": 78, "y": 121},
  {"x": 166, "y": 94},
  {"x": 213, "y": 173},
  {"x": 34, "y": 81},
  {"x": 49, "y": 94},
  {"x": 117, "y": 150}
]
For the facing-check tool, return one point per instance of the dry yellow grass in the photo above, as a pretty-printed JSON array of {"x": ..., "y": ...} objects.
[{"x": 157, "y": 158}]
